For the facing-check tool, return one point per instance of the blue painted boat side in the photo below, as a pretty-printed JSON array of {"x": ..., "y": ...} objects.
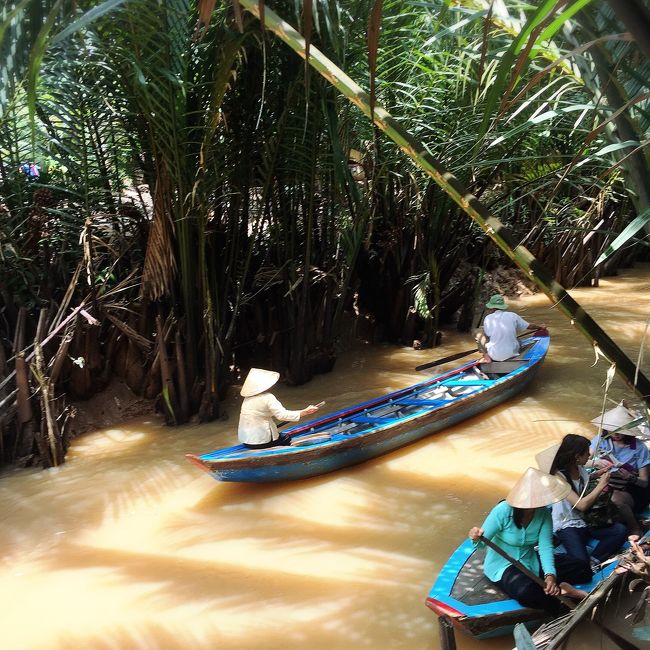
[
  {"x": 373, "y": 431},
  {"x": 346, "y": 458}
]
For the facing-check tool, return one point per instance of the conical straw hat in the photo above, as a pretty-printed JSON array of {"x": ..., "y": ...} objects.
[
  {"x": 536, "y": 489},
  {"x": 545, "y": 458},
  {"x": 614, "y": 419},
  {"x": 258, "y": 381}
]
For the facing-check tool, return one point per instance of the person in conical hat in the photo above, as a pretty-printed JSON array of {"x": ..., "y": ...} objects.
[
  {"x": 497, "y": 340},
  {"x": 617, "y": 418},
  {"x": 586, "y": 513},
  {"x": 628, "y": 461},
  {"x": 518, "y": 525},
  {"x": 545, "y": 458},
  {"x": 259, "y": 410}
]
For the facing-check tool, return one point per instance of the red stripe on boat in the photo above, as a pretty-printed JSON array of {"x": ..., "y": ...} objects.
[
  {"x": 198, "y": 462},
  {"x": 441, "y": 609}
]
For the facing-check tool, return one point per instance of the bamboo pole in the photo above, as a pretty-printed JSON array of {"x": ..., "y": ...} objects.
[{"x": 492, "y": 226}]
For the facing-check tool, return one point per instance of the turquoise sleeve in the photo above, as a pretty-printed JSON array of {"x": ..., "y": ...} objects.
[{"x": 546, "y": 543}]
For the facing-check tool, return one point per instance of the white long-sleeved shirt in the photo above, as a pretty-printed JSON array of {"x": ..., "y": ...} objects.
[{"x": 256, "y": 425}]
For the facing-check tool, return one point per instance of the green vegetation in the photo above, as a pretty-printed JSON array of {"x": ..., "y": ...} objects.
[{"x": 215, "y": 204}]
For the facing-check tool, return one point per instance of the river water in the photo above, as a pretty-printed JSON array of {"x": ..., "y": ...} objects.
[{"x": 129, "y": 546}]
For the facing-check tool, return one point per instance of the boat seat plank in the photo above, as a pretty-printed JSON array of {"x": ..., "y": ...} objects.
[
  {"x": 377, "y": 419},
  {"x": 472, "y": 382},
  {"x": 382, "y": 411},
  {"x": 422, "y": 402},
  {"x": 502, "y": 367}
]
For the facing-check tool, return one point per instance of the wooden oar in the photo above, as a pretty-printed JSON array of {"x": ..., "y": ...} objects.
[
  {"x": 452, "y": 357},
  {"x": 459, "y": 355},
  {"x": 525, "y": 570}
]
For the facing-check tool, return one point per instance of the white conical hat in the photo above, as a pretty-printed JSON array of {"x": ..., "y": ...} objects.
[
  {"x": 546, "y": 457},
  {"x": 614, "y": 419},
  {"x": 536, "y": 489},
  {"x": 258, "y": 381}
]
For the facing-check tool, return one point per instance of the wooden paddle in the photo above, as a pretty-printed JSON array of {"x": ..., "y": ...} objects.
[
  {"x": 525, "y": 570},
  {"x": 459, "y": 355}
]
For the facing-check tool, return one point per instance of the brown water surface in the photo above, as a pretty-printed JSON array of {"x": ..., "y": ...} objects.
[{"x": 130, "y": 546}]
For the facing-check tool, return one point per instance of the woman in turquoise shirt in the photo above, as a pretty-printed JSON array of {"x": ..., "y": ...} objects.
[{"x": 518, "y": 525}]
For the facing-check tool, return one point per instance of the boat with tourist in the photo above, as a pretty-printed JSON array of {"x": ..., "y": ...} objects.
[
  {"x": 364, "y": 431},
  {"x": 476, "y": 605}
]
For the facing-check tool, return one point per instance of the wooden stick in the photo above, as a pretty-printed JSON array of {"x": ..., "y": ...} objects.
[
  {"x": 525, "y": 570},
  {"x": 49, "y": 337}
]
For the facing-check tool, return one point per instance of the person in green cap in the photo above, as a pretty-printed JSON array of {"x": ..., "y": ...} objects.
[{"x": 498, "y": 338}]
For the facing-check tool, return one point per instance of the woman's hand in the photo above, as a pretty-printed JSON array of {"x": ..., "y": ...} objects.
[
  {"x": 550, "y": 585},
  {"x": 602, "y": 464},
  {"x": 475, "y": 533},
  {"x": 308, "y": 410},
  {"x": 624, "y": 474},
  {"x": 603, "y": 479}
]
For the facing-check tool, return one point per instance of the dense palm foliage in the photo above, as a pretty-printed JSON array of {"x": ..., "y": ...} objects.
[{"x": 216, "y": 205}]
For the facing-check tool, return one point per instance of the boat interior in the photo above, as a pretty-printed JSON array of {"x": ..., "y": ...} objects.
[{"x": 472, "y": 587}]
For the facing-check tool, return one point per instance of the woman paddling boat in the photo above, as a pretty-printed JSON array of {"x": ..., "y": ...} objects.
[{"x": 520, "y": 525}]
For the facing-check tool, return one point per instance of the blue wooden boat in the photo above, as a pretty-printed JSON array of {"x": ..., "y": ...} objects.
[
  {"x": 475, "y": 604},
  {"x": 364, "y": 431}
]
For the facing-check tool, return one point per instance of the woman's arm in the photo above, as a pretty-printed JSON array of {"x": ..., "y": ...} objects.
[
  {"x": 491, "y": 526},
  {"x": 642, "y": 479},
  {"x": 545, "y": 544},
  {"x": 583, "y": 504},
  {"x": 278, "y": 411}
]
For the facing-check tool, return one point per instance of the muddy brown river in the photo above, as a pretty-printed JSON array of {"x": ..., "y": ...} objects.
[{"x": 128, "y": 546}]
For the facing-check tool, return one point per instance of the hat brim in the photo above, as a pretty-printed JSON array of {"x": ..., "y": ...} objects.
[
  {"x": 536, "y": 489},
  {"x": 617, "y": 419}
]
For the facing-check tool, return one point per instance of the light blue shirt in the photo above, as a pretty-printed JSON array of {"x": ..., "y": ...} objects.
[
  {"x": 519, "y": 543},
  {"x": 637, "y": 456}
]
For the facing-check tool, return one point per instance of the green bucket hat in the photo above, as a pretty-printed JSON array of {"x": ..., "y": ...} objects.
[{"x": 497, "y": 301}]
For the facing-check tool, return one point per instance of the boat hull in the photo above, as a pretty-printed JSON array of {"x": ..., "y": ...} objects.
[
  {"x": 370, "y": 435},
  {"x": 477, "y": 606}
]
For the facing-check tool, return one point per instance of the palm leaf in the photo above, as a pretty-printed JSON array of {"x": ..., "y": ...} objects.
[
  {"x": 629, "y": 232},
  {"x": 468, "y": 203}
]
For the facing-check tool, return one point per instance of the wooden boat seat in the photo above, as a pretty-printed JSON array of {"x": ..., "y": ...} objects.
[
  {"x": 439, "y": 392},
  {"x": 502, "y": 367},
  {"x": 471, "y": 382},
  {"x": 311, "y": 439},
  {"x": 414, "y": 401},
  {"x": 389, "y": 409},
  {"x": 373, "y": 419}
]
